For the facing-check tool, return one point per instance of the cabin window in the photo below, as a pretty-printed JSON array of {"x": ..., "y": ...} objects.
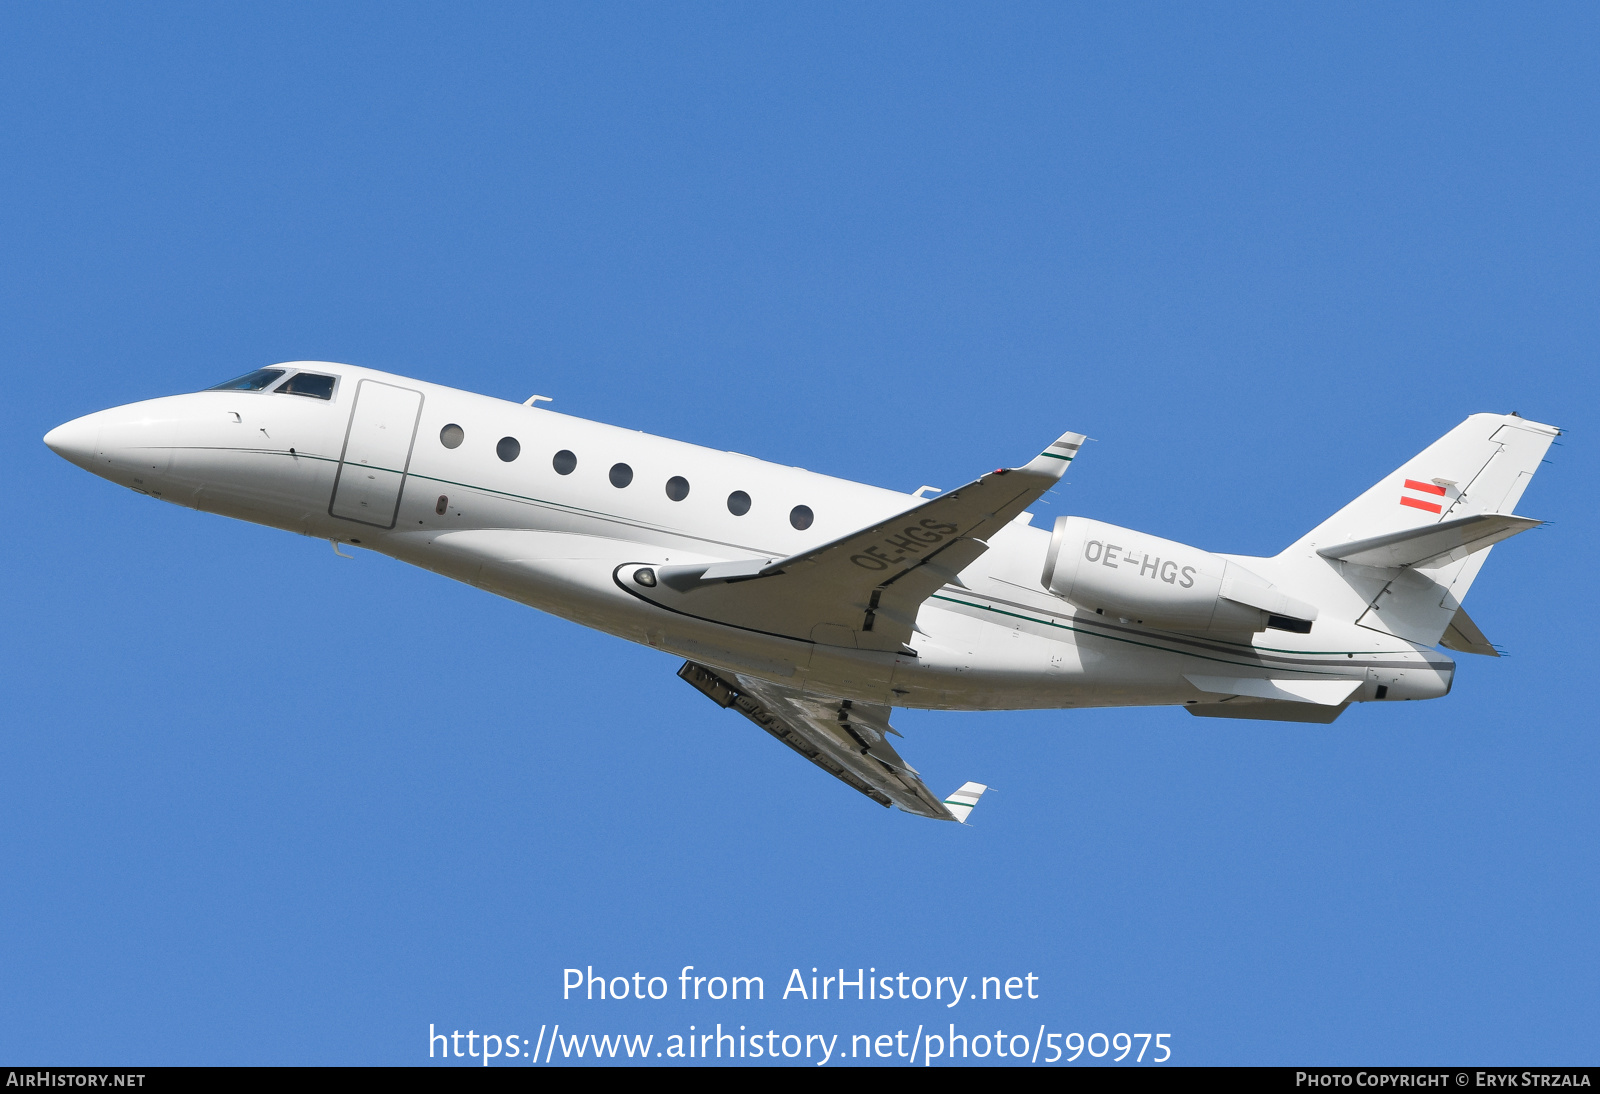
[
  {"x": 677, "y": 488},
  {"x": 252, "y": 381},
  {"x": 310, "y": 384},
  {"x": 738, "y": 503},
  {"x": 564, "y": 462},
  {"x": 451, "y": 436},
  {"x": 508, "y": 449},
  {"x": 621, "y": 475},
  {"x": 801, "y": 517}
]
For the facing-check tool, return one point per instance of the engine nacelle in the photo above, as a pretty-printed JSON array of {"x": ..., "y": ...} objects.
[{"x": 1129, "y": 575}]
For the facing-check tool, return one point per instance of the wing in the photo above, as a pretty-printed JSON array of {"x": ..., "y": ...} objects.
[
  {"x": 864, "y": 589},
  {"x": 850, "y": 741}
]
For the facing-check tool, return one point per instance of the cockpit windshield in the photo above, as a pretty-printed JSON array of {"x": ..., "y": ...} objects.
[
  {"x": 310, "y": 384},
  {"x": 254, "y": 381}
]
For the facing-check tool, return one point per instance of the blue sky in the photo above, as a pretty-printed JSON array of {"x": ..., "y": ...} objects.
[{"x": 267, "y": 806}]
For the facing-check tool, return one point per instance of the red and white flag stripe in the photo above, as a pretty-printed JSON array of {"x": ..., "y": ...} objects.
[{"x": 1423, "y": 488}]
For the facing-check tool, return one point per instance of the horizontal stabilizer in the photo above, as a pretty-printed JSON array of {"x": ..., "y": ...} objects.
[
  {"x": 962, "y": 801},
  {"x": 1463, "y": 636},
  {"x": 1327, "y": 693},
  {"x": 1267, "y": 710},
  {"x": 1432, "y": 544}
]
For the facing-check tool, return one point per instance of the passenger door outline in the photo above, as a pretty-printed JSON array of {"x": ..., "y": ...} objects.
[{"x": 368, "y": 500}]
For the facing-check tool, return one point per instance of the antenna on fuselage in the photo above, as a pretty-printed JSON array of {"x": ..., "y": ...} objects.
[{"x": 530, "y": 400}]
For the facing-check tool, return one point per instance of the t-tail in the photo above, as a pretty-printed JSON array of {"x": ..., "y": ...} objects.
[{"x": 1400, "y": 558}]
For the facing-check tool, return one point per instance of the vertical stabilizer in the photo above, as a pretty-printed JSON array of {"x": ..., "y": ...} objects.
[{"x": 1480, "y": 468}]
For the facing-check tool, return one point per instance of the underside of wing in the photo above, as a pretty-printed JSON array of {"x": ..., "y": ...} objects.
[
  {"x": 847, "y": 740},
  {"x": 864, "y": 589}
]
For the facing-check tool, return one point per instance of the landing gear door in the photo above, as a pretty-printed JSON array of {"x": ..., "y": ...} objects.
[{"x": 377, "y": 454}]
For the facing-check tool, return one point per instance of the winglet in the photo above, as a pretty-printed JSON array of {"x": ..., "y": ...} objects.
[
  {"x": 962, "y": 801},
  {"x": 1053, "y": 461}
]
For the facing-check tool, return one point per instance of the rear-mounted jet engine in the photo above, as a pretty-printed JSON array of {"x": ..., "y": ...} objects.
[{"x": 1132, "y": 576}]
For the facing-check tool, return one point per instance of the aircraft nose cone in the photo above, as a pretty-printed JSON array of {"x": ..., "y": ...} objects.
[{"x": 74, "y": 441}]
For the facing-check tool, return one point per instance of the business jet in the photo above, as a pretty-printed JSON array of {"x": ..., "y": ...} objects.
[{"x": 814, "y": 605}]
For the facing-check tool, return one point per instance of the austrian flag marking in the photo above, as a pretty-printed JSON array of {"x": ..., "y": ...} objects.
[{"x": 1423, "y": 488}]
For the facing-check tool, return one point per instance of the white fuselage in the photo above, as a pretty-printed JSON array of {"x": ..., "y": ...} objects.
[{"x": 554, "y": 541}]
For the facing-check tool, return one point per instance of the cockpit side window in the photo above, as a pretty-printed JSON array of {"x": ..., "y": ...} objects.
[
  {"x": 310, "y": 384},
  {"x": 253, "y": 381}
]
